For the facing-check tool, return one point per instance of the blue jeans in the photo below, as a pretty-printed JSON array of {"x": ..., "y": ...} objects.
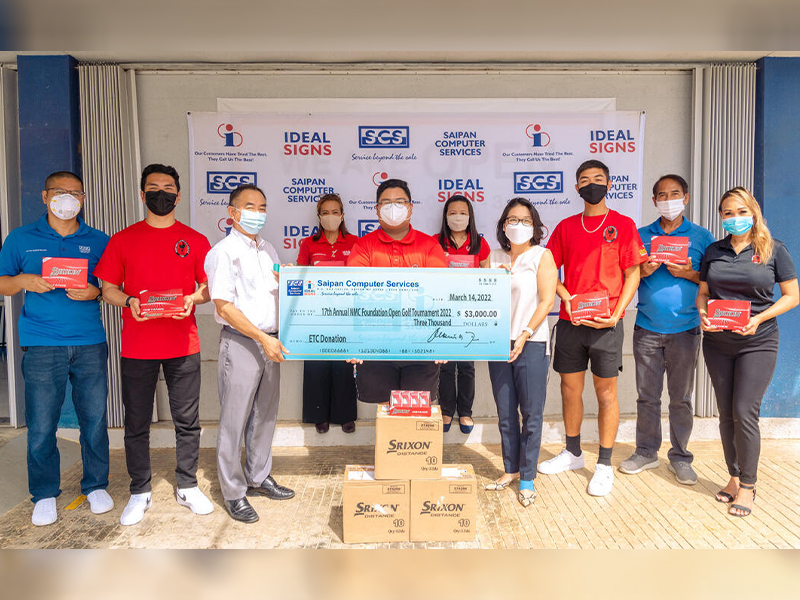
[
  {"x": 521, "y": 387},
  {"x": 46, "y": 370}
]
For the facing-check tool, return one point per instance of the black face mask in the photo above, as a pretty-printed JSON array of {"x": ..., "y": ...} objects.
[
  {"x": 593, "y": 193},
  {"x": 160, "y": 202}
]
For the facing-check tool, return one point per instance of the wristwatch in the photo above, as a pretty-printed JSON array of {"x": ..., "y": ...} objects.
[
  {"x": 529, "y": 330},
  {"x": 128, "y": 301},
  {"x": 98, "y": 297}
]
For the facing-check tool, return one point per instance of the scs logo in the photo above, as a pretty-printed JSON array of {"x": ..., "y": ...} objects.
[
  {"x": 384, "y": 137},
  {"x": 233, "y": 139},
  {"x": 224, "y": 182},
  {"x": 539, "y": 182},
  {"x": 366, "y": 226}
]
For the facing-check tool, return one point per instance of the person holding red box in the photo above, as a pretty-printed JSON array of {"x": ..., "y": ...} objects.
[
  {"x": 745, "y": 265},
  {"x": 463, "y": 247},
  {"x": 158, "y": 253},
  {"x": 329, "y": 389},
  {"x": 601, "y": 251}
]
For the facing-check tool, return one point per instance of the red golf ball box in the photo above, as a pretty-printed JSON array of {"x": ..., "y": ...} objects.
[
  {"x": 410, "y": 403},
  {"x": 165, "y": 303},
  {"x": 667, "y": 248},
  {"x": 586, "y": 307},
  {"x": 66, "y": 273},
  {"x": 728, "y": 314}
]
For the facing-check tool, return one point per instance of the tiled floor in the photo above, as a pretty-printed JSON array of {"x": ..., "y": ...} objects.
[{"x": 644, "y": 511}]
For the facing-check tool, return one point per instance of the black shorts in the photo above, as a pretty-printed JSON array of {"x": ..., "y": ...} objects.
[
  {"x": 375, "y": 379},
  {"x": 576, "y": 345}
]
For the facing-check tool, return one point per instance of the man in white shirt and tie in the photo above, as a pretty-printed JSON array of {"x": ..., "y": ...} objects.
[{"x": 244, "y": 289}]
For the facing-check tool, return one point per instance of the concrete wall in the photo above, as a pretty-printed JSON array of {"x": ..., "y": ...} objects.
[{"x": 164, "y": 98}]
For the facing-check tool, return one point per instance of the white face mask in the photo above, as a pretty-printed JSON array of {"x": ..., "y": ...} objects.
[
  {"x": 65, "y": 206},
  {"x": 458, "y": 222},
  {"x": 519, "y": 233},
  {"x": 671, "y": 209},
  {"x": 330, "y": 222},
  {"x": 394, "y": 214}
]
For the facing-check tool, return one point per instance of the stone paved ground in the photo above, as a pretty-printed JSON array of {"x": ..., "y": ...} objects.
[{"x": 645, "y": 511}]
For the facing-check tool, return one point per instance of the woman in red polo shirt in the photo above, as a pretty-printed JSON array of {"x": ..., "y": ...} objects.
[
  {"x": 329, "y": 392},
  {"x": 463, "y": 247}
]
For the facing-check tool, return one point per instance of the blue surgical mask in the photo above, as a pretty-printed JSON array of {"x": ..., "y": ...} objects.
[
  {"x": 252, "y": 221},
  {"x": 737, "y": 225}
]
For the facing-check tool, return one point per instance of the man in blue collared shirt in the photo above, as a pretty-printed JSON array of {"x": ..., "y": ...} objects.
[
  {"x": 62, "y": 335},
  {"x": 666, "y": 337}
]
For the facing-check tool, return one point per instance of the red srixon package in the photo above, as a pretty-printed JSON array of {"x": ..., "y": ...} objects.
[
  {"x": 588, "y": 306},
  {"x": 667, "y": 248},
  {"x": 462, "y": 261},
  {"x": 160, "y": 304},
  {"x": 728, "y": 314},
  {"x": 66, "y": 273},
  {"x": 410, "y": 403}
]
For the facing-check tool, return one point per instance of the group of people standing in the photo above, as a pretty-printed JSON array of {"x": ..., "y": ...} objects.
[{"x": 599, "y": 250}]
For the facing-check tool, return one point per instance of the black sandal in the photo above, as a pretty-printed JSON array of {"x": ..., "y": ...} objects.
[
  {"x": 744, "y": 509},
  {"x": 728, "y": 498}
]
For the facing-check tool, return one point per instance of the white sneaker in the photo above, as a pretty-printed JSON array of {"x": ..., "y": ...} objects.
[
  {"x": 602, "y": 481},
  {"x": 565, "y": 461},
  {"x": 44, "y": 512},
  {"x": 100, "y": 502},
  {"x": 195, "y": 500},
  {"x": 134, "y": 511}
]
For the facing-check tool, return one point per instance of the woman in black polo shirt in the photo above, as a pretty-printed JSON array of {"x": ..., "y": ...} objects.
[{"x": 745, "y": 265}]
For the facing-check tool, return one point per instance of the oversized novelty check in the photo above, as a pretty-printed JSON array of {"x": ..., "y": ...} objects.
[{"x": 395, "y": 314}]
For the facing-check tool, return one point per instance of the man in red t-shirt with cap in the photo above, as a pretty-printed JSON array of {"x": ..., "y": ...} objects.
[
  {"x": 160, "y": 258},
  {"x": 601, "y": 251}
]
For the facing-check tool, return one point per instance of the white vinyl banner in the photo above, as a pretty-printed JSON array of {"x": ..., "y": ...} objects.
[{"x": 489, "y": 157}]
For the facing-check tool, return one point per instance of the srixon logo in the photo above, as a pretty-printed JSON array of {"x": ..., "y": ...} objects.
[
  {"x": 728, "y": 313},
  {"x": 436, "y": 508},
  {"x": 588, "y": 304},
  {"x": 56, "y": 272},
  {"x": 395, "y": 445},
  {"x": 363, "y": 508}
]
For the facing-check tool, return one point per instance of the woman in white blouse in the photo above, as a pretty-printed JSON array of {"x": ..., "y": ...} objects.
[{"x": 520, "y": 385}]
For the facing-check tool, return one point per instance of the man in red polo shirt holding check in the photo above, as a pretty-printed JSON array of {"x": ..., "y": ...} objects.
[
  {"x": 157, "y": 256},
  {"x": 395, "y": 244},
  {"x": 601, "y": 251}
]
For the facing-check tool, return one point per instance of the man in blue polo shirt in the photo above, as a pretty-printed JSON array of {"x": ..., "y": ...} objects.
[
  {"x": 62, "y": 337},
  {"x": 666, "y": 337}
]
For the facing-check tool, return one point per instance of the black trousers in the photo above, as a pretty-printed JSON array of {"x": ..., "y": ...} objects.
[
  {"x": 741, "y": 369},
  {"x": 139, "y": 378},
  {"x": 329, "y": 392},
  {"x": 377, "y": 378},
  {"x": 457, "y": 390}
]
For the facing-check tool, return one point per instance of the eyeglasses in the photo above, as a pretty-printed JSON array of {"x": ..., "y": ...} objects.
[
  {"x": 516, "y": 221},
  {"x": 59, "y": 191},
  {"x": 383, "y": 203}
]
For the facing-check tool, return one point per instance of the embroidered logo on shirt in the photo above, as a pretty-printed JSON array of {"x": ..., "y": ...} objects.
[
  {"x": 756, "y": 259},
  {"x": 610, "y": 233},
  {"x": 182, "y": 248},
  {"x": 84, "y": 249}
]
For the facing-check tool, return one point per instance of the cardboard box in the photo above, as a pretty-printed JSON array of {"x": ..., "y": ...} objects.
[
  {"x": 668, "y": 248},
  {"x": 410, "y": 403},
  {"x": 161, "y": 304},
  {"x": 445, "y": 510},
  {"x": 408, "y": 447},
  {"x": 586, "y": 307},
  {"x": 66, "y": 273},
  {"x": 374, "y": 511},
  {"x": 728, "y": 314}
]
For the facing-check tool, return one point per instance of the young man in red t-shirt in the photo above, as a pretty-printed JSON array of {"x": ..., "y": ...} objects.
[
  {"x": 601, "y": 251},
  {"x": 158, "y": 255},
  {"x": 395, "y": 244}
]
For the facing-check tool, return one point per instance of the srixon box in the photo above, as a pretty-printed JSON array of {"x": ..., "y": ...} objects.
[
  {"x": 667, "y": 248},
  {"x": 410, "y": 403},
  {"x": 588, "y": 306},
  {"x": 161, "y": 304},
  {"x": 444, "y": 510},
  {"x": 66, "y": 273},
  {"x": 408, "y": 447},
  {"x": 374, "y": 511},
  {"x": 728, "y": 314}
]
